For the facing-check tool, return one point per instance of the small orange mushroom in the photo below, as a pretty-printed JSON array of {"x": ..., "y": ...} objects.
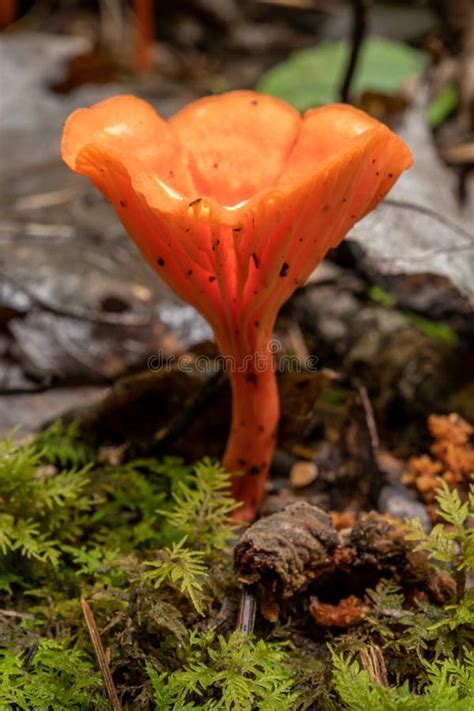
[
  {"x": 234, "y": 201},
  {"x": 143, "y": 32}
]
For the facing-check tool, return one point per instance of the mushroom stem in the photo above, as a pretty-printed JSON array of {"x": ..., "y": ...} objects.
[{"x": 252, "y": 437}]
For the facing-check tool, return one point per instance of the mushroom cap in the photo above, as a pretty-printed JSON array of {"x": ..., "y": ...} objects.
[
  {"x": 236, "y": 198},
  {"x": 228, "y": 148}
]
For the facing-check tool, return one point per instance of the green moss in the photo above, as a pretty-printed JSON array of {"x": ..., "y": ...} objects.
[
  {"x": 148, "y": 544},
  {"x": 434, "y": 329},
  {"x": 51, "y": 678},
  {"x": 382, "y": 296},
  {"x": 234, "y": 673}
]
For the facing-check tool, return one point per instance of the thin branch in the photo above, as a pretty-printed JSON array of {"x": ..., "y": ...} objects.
[
  {"x": 100, "y": 653},
  {"x": 247, "y": 610},
  {"x": 360, "y": 23}
]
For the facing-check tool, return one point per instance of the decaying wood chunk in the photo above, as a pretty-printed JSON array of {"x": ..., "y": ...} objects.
[
  {"x": 380, "y": 549},
  {"x": 299, "y": 548},
  {"x": 285, "y": 552}
]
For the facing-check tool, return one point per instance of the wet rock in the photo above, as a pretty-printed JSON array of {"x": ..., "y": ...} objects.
[
  {"x": 35, "y": 410},
  {"x": 408, "y": 370},
  {"x": 401, "y": 503},
  {"x": 430, "y": 295},
  {"x": 87, "y": 309},
  {"x": 428, "y": 231}
]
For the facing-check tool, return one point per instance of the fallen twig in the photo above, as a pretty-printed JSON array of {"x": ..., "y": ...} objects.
[
  {"x": 100, "y": 653},
  {"x": 247, "y": 610},
  {"x": 369, "y": 419},
  {"x": 360, "y": 21}
]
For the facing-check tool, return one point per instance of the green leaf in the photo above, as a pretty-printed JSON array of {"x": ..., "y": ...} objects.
[
  {"x": 313, "y": 77},
  {"x": 442, "y": 106}
]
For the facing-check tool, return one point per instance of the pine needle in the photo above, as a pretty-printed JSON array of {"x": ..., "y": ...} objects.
[{"x": 100, "y": 653}]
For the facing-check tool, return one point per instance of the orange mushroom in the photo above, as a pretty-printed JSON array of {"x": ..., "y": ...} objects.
[
  {"x": 143, "y": 33},
  {"x": 234, "y": 201}
]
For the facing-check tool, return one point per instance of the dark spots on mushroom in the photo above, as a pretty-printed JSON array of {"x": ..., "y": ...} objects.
[
  {"x": 344, "y": 199},
  {"x": 102, "y": 170},
  {"x": 390, "y": 175},
  {"x": 190, "y": 271},
  {"x": 373, "y": 161},
  {"x": 257, "y": 324},
  {"x": 251, "y": 377},
  {"x": 237, "y": 331},
  {"x": 216, "y": 243},
  {"x": 296, "y": 282},
  {"x": 353, "y": 217},
  {"x": 255, "y": 292},
  {"x": 377, "y": 172},
  {"x": 211, "y": 279},
  {"x": 300, "y": 239},
  {"x": 256, "y": 260},
  {"x": 254, "y": 102},
  {"x": 171, "y": 174},
  {"x": 254, "y": 470},
  {"x": 160, "y": 261},
  {"x": 195, "y": 202},
  {"x": 261, "y": 428},
  {"x": 242, "y": 462},
  {"x": 188, "y": 229},
  {"x": 284, "y": 269},
  {"x": 123, "y": 203},
  {"x": 215, "y": 165},
  {"x": 326, "y": 208},
  {"x": 169, "y": 244},
  {"x": 237, "y": 229}
]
